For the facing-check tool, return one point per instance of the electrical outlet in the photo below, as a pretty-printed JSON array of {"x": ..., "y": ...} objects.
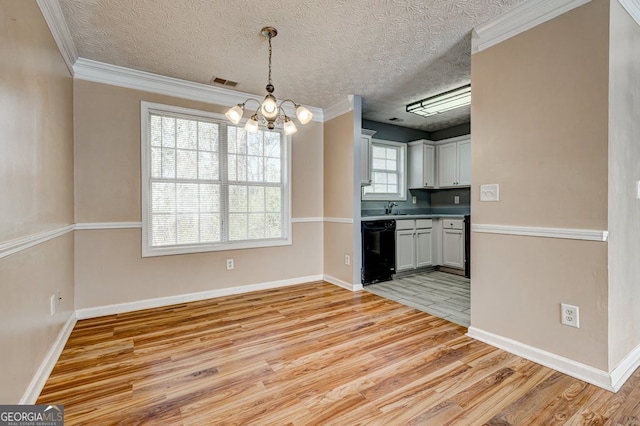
[
  {"x": 229, "y": 264},
  {"x": 52, "y": 304},
  {"x": 414, "y": 199},
  {"x": 347, "y": 259},
  {"x": 570, "y": 315},
  {"x": 456, "y": 199}
]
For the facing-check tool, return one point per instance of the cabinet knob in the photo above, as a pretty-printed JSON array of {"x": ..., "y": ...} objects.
[{"x": 426, "y": 184}]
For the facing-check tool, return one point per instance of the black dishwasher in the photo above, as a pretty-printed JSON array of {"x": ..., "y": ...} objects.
[{"x": 378, "y": 250}]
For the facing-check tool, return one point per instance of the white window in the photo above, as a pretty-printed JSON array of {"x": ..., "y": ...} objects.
[
  {"x": 388, "y": 165},
  {"x": 209, "y": 185}
]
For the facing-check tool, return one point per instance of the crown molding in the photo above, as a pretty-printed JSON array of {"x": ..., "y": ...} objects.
[
  {"x": 343, "y": 106},
  {"x": 520, "y": 19},
  {"x": 633, "y": 8},
  {"x": 59, "y": 30},
  {"x": 100, "y": 72}
]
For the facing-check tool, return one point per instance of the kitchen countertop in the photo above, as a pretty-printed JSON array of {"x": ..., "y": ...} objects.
[{"x": 412, "y": 216}]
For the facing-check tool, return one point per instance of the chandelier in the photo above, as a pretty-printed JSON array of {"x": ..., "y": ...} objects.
[{"x": 269, "y": 112}]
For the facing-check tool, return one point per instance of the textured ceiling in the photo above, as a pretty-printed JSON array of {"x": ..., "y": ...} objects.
[{"x": 390, "y": 52}]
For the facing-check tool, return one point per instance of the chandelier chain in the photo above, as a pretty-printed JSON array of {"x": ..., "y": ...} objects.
[{"x": 270, "y": 60}]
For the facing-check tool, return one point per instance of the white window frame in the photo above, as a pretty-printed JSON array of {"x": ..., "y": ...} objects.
[
  {"x": 146, "y": 108},
  {"x": 401, "y": 195}
]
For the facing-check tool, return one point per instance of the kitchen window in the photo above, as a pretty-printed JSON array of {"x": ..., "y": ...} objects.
[
  {"x": 208, "y": 185},
  {"x": 388, "y": 166}
]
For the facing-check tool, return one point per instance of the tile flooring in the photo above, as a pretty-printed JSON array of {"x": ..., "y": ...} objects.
[{"x": 444, "y": 295}]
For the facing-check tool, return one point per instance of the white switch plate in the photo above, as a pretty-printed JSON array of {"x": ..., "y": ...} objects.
[{"x": 490, "y": 192}]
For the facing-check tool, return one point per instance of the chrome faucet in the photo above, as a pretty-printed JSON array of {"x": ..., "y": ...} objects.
[{"x": 389, "y": 208}]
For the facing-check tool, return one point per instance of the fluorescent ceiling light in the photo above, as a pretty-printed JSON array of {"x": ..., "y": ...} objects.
[{"x": 447, "y": 101}]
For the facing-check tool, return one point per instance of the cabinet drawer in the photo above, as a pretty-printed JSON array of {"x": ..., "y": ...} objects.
[
  {"x": 452, "y": 223},
  {"x": 424, "y": 223},
  {"x": 405, "y": 224}
]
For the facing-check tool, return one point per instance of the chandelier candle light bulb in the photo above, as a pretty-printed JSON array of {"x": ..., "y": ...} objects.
[{"x": 268, "y": 111}]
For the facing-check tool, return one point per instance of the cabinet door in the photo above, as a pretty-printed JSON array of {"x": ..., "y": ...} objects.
[
  {"x": 428, "y": 166},
  {"x": 424, "y": 248},
  {"x": 405, "y": 250},
  {"x": 447, "y": 165},
  {"x": 464, "y": 163},
  {"x": 365, "y": 160},
  {"x": 453, "y": 248}
]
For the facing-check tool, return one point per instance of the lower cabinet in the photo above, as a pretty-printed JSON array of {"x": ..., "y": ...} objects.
[
  {"x": 414, "y": 244},
  {"x": 453, "y": 243}
]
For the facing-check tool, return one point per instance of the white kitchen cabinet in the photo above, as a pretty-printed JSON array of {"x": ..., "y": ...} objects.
[
  {"x": 454, "y": 164},
  {"x": 414, "y": 244},
  {"x": 365, "y": 157},
  {"x": 424, "y": 248},
  {"x": 453, "y": 243},
  {"x": 405, "y": 250},
  {"x": 422, "y": 165}
]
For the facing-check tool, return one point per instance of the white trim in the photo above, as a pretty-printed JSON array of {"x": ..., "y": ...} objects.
[
  {"x": 633, "y": 8},
  {"x": 339, "y": 219},
  {"x": 59, "y": 30},
  {"x": 120, "y": 308},
  {"x": 519, "y": 19},
  {"x": 340, "y": 283},
  {"x": 306, "y": 219},
  {"x": 625, "y": 368},
  {"x": 531, "y": 231},
  {"x": 341, "y": 107},
  {"x": 19, "y": 244},
  {"x": 564, "y": 365},
  {"x": 40, "y": 378},
  {"x": 108, "y": 225},
  {"x": 100, "y": 72}
]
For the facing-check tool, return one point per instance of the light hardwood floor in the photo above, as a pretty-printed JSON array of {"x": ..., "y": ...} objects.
[
  {"x": 437, "y": 293},
  {"x": 310, "y": 354}
]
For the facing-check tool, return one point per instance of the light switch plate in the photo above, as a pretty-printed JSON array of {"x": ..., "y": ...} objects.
[{"x": 490, "y": 192}]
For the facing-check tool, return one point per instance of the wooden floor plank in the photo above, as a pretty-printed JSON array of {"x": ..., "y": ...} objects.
[{"x": 307, "y": 355}]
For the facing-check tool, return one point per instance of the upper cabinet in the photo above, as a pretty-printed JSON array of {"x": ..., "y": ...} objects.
[
  {"x": 422, "y": 165},
  {"x": 440, "y": 166},
  {"x": 454, "y": 164},
  {"x": 365, "y": 157}
]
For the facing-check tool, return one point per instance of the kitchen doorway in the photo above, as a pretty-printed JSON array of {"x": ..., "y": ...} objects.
[{"x": 444, "y": 295}]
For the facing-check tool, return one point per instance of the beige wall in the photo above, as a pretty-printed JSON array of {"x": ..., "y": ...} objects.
[
  {"x": 110, "y": 269},
  {"x": 540, "y": 131},
  {"x": 338, "y": 195},
  {"x": 624, "y": 171},
  {"x": 36, "y": 192}
]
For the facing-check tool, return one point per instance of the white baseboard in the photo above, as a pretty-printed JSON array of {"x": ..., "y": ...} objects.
[
  {"x": 119, "y": 308},
  {"x": 40, "y": 378},
  {"x": 341, "y": 283},
  {"x": 625, "y": 368},
  {"x": 559, "y": 363}
]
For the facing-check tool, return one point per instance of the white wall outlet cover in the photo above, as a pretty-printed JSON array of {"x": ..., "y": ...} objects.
[
  {"x": 490, "y": 192},
  {"x": 456, "y": 199},
  {"x": 414, "y": 199}
]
